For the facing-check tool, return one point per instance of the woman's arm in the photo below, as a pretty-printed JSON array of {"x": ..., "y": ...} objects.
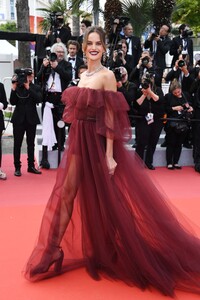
[{"x": 111, "y": 85}]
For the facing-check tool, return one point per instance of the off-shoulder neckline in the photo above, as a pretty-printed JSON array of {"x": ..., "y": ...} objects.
[{"x": 92, "y": 89}]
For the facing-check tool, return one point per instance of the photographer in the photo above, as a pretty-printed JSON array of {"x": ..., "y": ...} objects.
[
  {"x": 177, "y": 106},
  {"x": 58, "y": 32},
  {"x": 54, "y": 75},
  {"x": 159, "y": 44},
  {"x": 25, "y": 95},
  {"x": 150, "y": 106},
  {"x": 127, "y": 88},
  {"x": 121, "y": 58},
  {"x": 182, "y": 44},
  {"x": 181, "y": 72},
  {"x": 144, "y": 65}
]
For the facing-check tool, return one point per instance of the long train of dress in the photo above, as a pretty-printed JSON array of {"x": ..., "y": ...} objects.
[{"x": 121, "y": 227}]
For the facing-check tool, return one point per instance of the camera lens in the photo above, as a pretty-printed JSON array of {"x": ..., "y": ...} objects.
[{"x": 181, "y": 63}]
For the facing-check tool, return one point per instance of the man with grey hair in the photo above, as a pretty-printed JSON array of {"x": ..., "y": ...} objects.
[{"x": 54, "y": 75}]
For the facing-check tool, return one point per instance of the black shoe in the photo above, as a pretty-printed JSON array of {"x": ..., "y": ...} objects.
[
  {"x": 18, "y": 172},
  {"x": 33, "y": 170},
  {"x": 45, "y": 164},
  {"x": 55, "y": 147},
  {"x": 177, "y": 166},
  {"x": 164, "y": 144},
  {"x": 150, "y": 167}
]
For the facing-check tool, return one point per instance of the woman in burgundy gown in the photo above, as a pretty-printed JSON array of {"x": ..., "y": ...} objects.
[{"x": 105, "y": 213}]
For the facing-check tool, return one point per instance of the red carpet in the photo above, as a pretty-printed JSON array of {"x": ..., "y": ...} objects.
[{"x": 21, "y": 207}]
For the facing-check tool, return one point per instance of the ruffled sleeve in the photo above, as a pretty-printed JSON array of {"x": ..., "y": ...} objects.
[
  {"x": 112, "y": 117},
  {"x": 69, "y": 99}
]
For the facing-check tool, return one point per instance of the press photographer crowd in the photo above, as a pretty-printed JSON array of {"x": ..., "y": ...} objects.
[{"x": 140, "y": 70}]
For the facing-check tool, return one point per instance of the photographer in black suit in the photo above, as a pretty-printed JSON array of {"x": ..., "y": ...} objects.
[
  {"x": 25, "y": 95},
  {"x": 182, "y": 44},
  {"x": 54, "y": 75},
  {"x": 58, "y": 32},
  {"x": 121, "y": 58},
  {"x": 3, "y": 105},
  {"x": 159, "y": 44}
]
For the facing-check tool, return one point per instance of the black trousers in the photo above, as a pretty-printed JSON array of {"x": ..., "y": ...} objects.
[
  {"x": 174, "y": 145},
  {"x": 148, "y": 136},
  {"x": 18, "y": 132}
]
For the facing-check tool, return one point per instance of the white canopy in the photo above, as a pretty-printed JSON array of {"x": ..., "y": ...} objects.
[{"x": 6, "y": 49}]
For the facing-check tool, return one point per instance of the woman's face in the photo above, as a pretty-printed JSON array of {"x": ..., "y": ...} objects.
[
  {"x": 177, "y": 93},
  {"x": 94, "y": 47}
]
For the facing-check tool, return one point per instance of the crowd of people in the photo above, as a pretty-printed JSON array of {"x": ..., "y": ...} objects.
[{"x": 139, "y": 69}]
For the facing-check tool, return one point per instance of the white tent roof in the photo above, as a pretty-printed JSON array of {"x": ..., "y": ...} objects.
[{"x": 7, "y": 49}]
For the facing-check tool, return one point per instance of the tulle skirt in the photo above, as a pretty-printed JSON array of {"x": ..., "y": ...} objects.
[{"x": 121, "y": 227}]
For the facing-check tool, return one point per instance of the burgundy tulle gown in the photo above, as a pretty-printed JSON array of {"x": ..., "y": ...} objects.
[{"x": 120, "y": 227}]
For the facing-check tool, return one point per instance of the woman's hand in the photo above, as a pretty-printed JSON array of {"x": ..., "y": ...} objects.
[{"x": 111, "y": 163}]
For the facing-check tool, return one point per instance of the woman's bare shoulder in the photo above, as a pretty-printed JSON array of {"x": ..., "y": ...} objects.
[{"x": 109, "y": 80}]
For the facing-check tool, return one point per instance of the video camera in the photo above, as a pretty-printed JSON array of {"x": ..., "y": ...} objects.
[
  {"x": 20, "y": 76},
  {"x": 186, "y": 33},
  {"x": 56, "y": 19}
]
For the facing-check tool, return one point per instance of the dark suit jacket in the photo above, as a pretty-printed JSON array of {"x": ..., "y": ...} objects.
[
  {"x": 25, "y": 102},
  {"x": 64, "y": 69},
  {"x": 136, "y": 48},
  {"x": 163, "y": 46},
  {"x": 78, "y": 62},
  {"x": 3, "y": 100},
  {"x": 176, "y": 42}
]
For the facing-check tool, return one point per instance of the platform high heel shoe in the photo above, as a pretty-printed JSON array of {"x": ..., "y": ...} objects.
[{"x": 49, "y": 259}]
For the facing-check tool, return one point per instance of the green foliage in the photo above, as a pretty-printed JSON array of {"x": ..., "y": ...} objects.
[
  {"x": 162, "y": 12},
  {"x": 11, "y": 27},
  {"x": 113, "y": 8},
  {"x": 140, "y": 13},
  {"x": 188, "y": 12}
]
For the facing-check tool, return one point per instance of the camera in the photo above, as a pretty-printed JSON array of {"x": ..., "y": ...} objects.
[
  {"x": 181, "y": 63},
  {"x": 118, "y": 74},
  {"x": 187, "y": 32},
  {"x": 20, "y": 76},
  {"x": 146, "y": 80},
  {"x": 56, "y": 19},
  {"x": 145, "y": 61},
  {"x": 52, "y": 56}
]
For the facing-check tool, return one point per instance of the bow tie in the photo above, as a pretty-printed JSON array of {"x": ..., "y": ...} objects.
[{"x": 71, "y": 58}]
